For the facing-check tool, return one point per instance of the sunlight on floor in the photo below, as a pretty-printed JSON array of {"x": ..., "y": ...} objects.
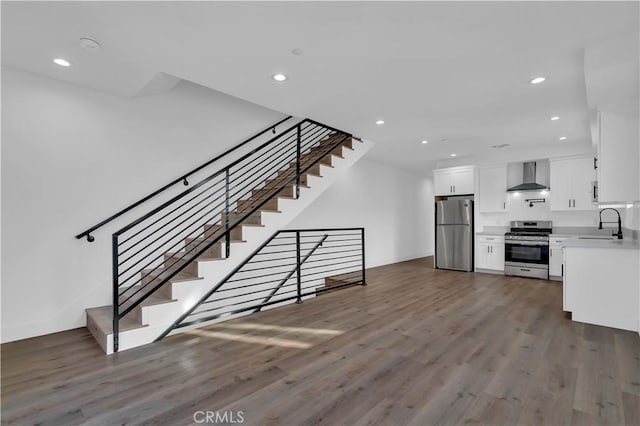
[
  {"x": 267, "y": 341},
  {"x": 252, "y": 326}
]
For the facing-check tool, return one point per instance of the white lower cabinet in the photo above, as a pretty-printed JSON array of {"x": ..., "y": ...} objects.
[{"x": 490, "y": 252}]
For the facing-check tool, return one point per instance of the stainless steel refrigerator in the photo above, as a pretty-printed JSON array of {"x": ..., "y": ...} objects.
[{"x": 454, "y": 234}]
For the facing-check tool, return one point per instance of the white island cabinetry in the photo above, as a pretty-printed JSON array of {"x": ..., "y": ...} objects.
[{"x": 601, "y": 280}]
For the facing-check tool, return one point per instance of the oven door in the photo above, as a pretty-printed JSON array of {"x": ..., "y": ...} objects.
[{"x": 527, "y": 252}]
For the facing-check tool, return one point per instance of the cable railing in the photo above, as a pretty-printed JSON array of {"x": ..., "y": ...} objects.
[
  {"x": 291, "y": 265},
  {"x": 202, "y": 222}
]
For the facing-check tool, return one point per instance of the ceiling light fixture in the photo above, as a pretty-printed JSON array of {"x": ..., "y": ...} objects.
[
  {"x": 537, "y": 80},
  {"x": 62, "y": 62},
  {"x": 279, "y": 77},
  {"x": 380, "y": 122},
  {"x": 425, "y": 142},
  {"x": 453, "y": 155},
  {"x": 563, "y": 138},
  {"x": 89, "y": 43},
  {"x": 554, "y": 118}
]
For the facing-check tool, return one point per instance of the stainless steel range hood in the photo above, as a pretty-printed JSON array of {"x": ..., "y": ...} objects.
[{"x": 528, "y": 179}]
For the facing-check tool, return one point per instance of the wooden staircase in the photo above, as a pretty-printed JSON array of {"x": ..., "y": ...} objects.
[{"x": 100, "y": 319}]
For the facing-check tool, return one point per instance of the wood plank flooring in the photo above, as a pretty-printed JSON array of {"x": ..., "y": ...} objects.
[{"x": 416, "y": 346}]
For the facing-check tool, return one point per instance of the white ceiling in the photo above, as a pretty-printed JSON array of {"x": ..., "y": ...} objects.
[{"x": 432, "y": 70}]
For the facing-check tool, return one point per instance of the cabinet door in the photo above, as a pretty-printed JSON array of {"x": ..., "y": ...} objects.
[
  {"x": 482, "y": 256},
  {"x": 560, "y": 183},
  {"x": 555, "y": 260},
  {"x": 462, "y": 181},
  {"x": 618, "y": 172},
  {"x": 492, "y": 195},
  {"x": 497, "y": 256},
  {"x": 566, "y": 306},
  {"x": 582, "y": 177},
  {"x": 442, "y": 183}
]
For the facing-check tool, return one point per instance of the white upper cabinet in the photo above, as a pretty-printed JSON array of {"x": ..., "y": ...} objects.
[
  {"x": 454, "y": 181},
  {"x": 618, "y": 154},
  {"x": 572, "y": 184},
  {"x": 492, "y": 189}
]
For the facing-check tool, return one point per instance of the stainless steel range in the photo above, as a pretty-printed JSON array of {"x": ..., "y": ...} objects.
[{"x": 526, "y": 249}]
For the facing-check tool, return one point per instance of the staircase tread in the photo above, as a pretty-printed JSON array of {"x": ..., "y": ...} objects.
[
  {"x": 180, "y": 276},
  {"x": 209, "y": 259},
  {"x": 179, "y": 254},
  {"x": 102, "y": 316}
]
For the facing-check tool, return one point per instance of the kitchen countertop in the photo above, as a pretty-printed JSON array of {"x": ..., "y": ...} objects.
[
  {"x": 602, "y": 244},
  {"x": 494, "y": 230},
  {"x": 574, "y": 231}
]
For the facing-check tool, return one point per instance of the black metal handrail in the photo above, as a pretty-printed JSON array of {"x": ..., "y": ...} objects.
[
  {"x": 183, "y": 179},
  {"x": 163, "y": 243},
  {"x": 336, "y": 254}
]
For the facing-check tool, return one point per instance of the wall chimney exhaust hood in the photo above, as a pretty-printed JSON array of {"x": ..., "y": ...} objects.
[{"x": 528, "y": 179}]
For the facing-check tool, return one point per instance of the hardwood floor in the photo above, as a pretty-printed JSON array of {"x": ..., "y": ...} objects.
[{"x": 416, "y": 346}]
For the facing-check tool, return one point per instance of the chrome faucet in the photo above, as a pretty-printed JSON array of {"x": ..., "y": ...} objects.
[{"x": 617, "y": 234}]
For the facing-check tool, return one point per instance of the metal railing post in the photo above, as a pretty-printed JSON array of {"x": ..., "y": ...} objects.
[
  {"x": 227, "y": 232},
  {"x": 299, "y": 137},
  {"x": 116, "y": 291},
  {"x": 364, "y": 278},
  {"x": 299, "y": 267}
]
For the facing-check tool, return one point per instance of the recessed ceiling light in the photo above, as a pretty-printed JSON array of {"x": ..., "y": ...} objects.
[
  {"x": 444, "y": 140},
  {"x": 425, "y": 142},
  {"x": 89, "y": 43},
  {"x": 537, "y": 80},
  {"x": 62, "y": 62},
  {"x": 554, "y": 118},
  {"x": 453, "y": 155},
  {"x": 379, "y": 122},
  {"x": 563, "y": 138},
  {"x": 297, "y": 51},
  {"x": 279, "y": 77}
]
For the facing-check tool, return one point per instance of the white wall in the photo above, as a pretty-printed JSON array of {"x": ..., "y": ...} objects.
[
  {"x": 508, "y": 155},
  {"x": 394, "y": 206},
  {"x": 73, "y": 156},
  {"x": 520, "y": 210}
]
